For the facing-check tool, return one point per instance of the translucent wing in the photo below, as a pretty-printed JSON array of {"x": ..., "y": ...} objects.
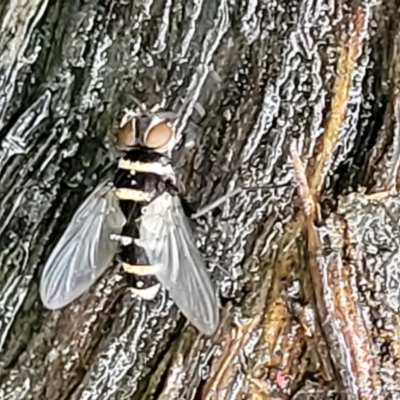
[
  {"x": 84, "y": 251},
  {"x": 166, "y": 236}
]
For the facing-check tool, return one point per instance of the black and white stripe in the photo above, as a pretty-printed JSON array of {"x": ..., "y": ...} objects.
[{"x": 141, "y": 177}]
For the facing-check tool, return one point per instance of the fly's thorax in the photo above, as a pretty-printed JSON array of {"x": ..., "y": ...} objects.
[
  {"x": 143, "y": 175},
  {"x": 137, "y": 162},
  {"x": 143, "y": 187}
]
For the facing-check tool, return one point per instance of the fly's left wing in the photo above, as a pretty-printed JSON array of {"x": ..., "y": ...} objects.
[
  {"x": 167, "y": 238},
  {"x": 84, "y": 251}
]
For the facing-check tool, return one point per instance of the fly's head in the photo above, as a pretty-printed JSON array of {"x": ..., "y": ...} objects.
[{"x": 153, "y": 132}]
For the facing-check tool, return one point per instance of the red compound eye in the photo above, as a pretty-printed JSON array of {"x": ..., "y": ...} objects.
[
  {"x": 159, "y": 135},
  {"x": 126, "y": 136}
]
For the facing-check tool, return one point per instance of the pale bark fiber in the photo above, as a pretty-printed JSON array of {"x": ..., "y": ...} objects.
[{"x": 251, "y": 77}]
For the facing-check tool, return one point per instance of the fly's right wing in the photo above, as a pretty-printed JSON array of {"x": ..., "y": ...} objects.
[
  {"x": 167, "y": 238},
  {"x": 84, "y": 251}
]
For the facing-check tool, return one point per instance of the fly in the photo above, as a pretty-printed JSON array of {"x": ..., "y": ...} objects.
[{"x": 138, "y": 216}]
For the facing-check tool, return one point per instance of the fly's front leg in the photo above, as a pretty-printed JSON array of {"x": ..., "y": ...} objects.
[
  {"x": 232, "y": 193},
  {"x": 215, "y": 203}
]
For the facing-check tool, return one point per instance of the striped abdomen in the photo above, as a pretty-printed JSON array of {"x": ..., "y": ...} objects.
[{"x": 141, "y": 176}]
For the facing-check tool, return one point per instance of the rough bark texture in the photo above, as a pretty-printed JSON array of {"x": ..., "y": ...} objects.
[{"x": 310, "y": 309}]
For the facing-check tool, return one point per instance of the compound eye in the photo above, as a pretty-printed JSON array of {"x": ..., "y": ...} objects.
[
  {"x": 159, "y": 135},
  {"x": 126, "y": 135}
]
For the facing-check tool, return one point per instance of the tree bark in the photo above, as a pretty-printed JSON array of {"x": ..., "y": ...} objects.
[{"x": 310, "y": 305}]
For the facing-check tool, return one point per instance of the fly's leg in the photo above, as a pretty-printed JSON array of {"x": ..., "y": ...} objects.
[
  {"x": 215, "y": 203},
  {"x": 232, "y": 193}
]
